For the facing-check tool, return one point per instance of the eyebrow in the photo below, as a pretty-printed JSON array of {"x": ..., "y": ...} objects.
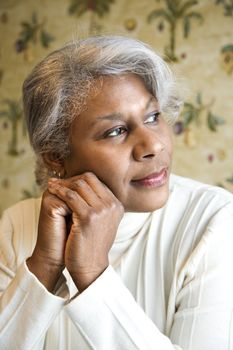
[{"x": 118, "y": 116}]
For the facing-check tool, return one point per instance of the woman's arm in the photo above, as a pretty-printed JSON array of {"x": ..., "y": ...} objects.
[
  {"x": 26, "y": 307},
  {"x": 109, "y": 317},
  {"x": 105, "y": 312},
  {"x": 95, "y": 216}
]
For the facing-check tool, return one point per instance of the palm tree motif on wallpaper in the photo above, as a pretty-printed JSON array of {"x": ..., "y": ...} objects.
[
  {"x": 193, "y": 113},
  {"x": 31, "y": 32},
  {"x": 227, "y": 6},
  {"x": 226, "y": 58},
  {"x": 173, "y": 12},
  {"x": 13, "y": 114},
  {"x": 96, "y": 8}
]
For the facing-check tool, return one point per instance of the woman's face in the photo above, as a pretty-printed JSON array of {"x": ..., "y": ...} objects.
[{"x": 122, "y": 138}]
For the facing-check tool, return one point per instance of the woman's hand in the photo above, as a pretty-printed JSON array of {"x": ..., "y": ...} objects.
[
  {"x": 47, "y": 260},
  {"x": 96, "y": 214}
]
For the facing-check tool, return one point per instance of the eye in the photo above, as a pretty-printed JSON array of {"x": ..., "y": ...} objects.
[
  {"x": 116, "y": 132},
  {"x": 152, "y": 118}
]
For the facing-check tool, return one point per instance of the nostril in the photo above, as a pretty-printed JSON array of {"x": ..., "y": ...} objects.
[
  {"x": 147, "y": 147},
  {"x": 149, "y": 156}
]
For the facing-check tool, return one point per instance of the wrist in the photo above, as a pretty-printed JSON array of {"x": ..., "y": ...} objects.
[
  {"x": 46, "y": 272},
  {"x": 84, "y": 280}
]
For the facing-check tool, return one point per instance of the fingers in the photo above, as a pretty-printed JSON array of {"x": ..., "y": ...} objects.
[
  {"x": 54, "y": 205},
  {"x": 82, "y": 186},
  {"x": 101, "y": 190},
  {"x": 71, "y": 198},
  {"x": 88, "y": 187},
  {"x": 96, "y": 214}
]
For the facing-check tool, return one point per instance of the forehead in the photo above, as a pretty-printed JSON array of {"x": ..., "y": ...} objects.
[
  {"x": 114, "y": 98},
  {"x": 118, "y": 92}
]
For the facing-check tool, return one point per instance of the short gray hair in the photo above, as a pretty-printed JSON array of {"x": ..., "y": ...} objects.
[{"x": 56, "y": 90}]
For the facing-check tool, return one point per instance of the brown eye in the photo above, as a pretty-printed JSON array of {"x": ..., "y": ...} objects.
[
  {"x": 153, "y": 118},
  {"x": 116, "y": 132}
]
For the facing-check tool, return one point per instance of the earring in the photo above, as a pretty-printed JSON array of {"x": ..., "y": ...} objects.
[{"x": 58, "y": 175}]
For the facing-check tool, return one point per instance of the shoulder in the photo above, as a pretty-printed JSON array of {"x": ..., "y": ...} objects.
[
  {"x": 18, "y": 228},
  {"x": 195, "y": 205},
  {"x": 28, "y": 208},
  {"x": 198, "y": 194},
  {"x": 204, "y": 234},
  {"x": 196, "y": 215},
  {"x": 190, "y": 185}
]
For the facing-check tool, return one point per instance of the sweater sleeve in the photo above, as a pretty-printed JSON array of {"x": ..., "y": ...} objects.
[
  {"x": 109, "y": 317},
  {"x": 26, "y": 308},
  {"x": 203, "y": 315}
]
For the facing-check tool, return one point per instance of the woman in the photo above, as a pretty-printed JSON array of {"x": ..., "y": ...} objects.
[{"x": 117, "y": 254}]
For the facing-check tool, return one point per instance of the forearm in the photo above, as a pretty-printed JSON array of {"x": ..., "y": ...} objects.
[
  {"x": 27, "y": 310},
  {"x": 109, "y": 317},
  {"x": 47, "y": 273}
]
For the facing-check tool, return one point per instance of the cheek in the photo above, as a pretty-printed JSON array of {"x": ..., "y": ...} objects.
[
  {"x": 84, "y": 158},
  {"x": 109, "y": 169},
  {"x": 168, "y": 141},
  {"x": 170, "y": 146},
  {"x": 108, "y": 166},
  {"x": 112, "y": 170}
]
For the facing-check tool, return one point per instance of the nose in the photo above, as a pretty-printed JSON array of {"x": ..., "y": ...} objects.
[{"x": 147, "y": 145}]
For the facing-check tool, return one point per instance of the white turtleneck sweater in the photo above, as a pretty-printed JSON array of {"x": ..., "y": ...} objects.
[{"x": 169, "y": 284}]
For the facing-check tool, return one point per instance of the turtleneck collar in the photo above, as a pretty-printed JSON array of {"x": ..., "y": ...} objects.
[{"x": 130, "y": 224}]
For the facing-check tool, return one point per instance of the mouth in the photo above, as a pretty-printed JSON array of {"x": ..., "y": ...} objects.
[{"x": 153, "y": 180}]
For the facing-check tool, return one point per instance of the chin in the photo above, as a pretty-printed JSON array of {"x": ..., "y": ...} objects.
[{"x": 150, "y": 203}]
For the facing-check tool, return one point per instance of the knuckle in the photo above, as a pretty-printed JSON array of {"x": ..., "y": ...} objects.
[
  {"x": 70, "y": 195},
  {"x": 89, "y": 176},
  {"x": 115, "y": 204},
  {"x": 46, "y": 195},
  {"x": 47, "y": 199},
  {"x": 88, "y": 216},
  {"x": 102, "y": 211},
  {"x": 117, "y": 207},
  {"x": 52, "y": 206},
  {"x": 112, "y": 208},
  {"x": 121, "y": 208},
  {"x": 78, "y": 183}
]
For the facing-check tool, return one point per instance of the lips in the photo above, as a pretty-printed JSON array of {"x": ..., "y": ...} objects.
[{"x": 155, "y": 179}]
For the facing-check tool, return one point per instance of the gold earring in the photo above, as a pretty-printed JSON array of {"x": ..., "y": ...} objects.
[{"x": 58, "y": 175}]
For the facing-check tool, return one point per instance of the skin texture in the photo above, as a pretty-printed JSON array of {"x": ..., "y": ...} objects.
[{"x": 119, "y": 139}]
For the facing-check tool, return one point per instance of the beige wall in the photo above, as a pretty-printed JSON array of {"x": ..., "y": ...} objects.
[{"x": 201, "y": 66}]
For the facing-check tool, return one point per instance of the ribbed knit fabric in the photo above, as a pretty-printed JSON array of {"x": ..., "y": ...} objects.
[{"x": 169, "y": 284}]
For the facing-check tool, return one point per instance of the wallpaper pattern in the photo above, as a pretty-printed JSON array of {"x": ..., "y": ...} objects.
[{"x": 195, "y": 37}]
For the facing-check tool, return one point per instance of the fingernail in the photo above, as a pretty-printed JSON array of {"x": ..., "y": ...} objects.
[
  {"x": 51, "y": 183},
  {"x": 53, "y": 179}
]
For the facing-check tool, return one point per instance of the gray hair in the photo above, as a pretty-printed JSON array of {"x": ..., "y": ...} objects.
[{"x": 55, "y": 92}]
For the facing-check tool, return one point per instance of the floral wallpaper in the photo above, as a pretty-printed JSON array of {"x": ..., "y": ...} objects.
[{"x": 195, "y": 37}]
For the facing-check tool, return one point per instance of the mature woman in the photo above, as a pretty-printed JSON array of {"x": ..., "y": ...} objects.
[{"x": 117, "y": 254}]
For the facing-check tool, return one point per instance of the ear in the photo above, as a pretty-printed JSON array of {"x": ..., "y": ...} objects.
[{"x": 54, "y": 163}]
